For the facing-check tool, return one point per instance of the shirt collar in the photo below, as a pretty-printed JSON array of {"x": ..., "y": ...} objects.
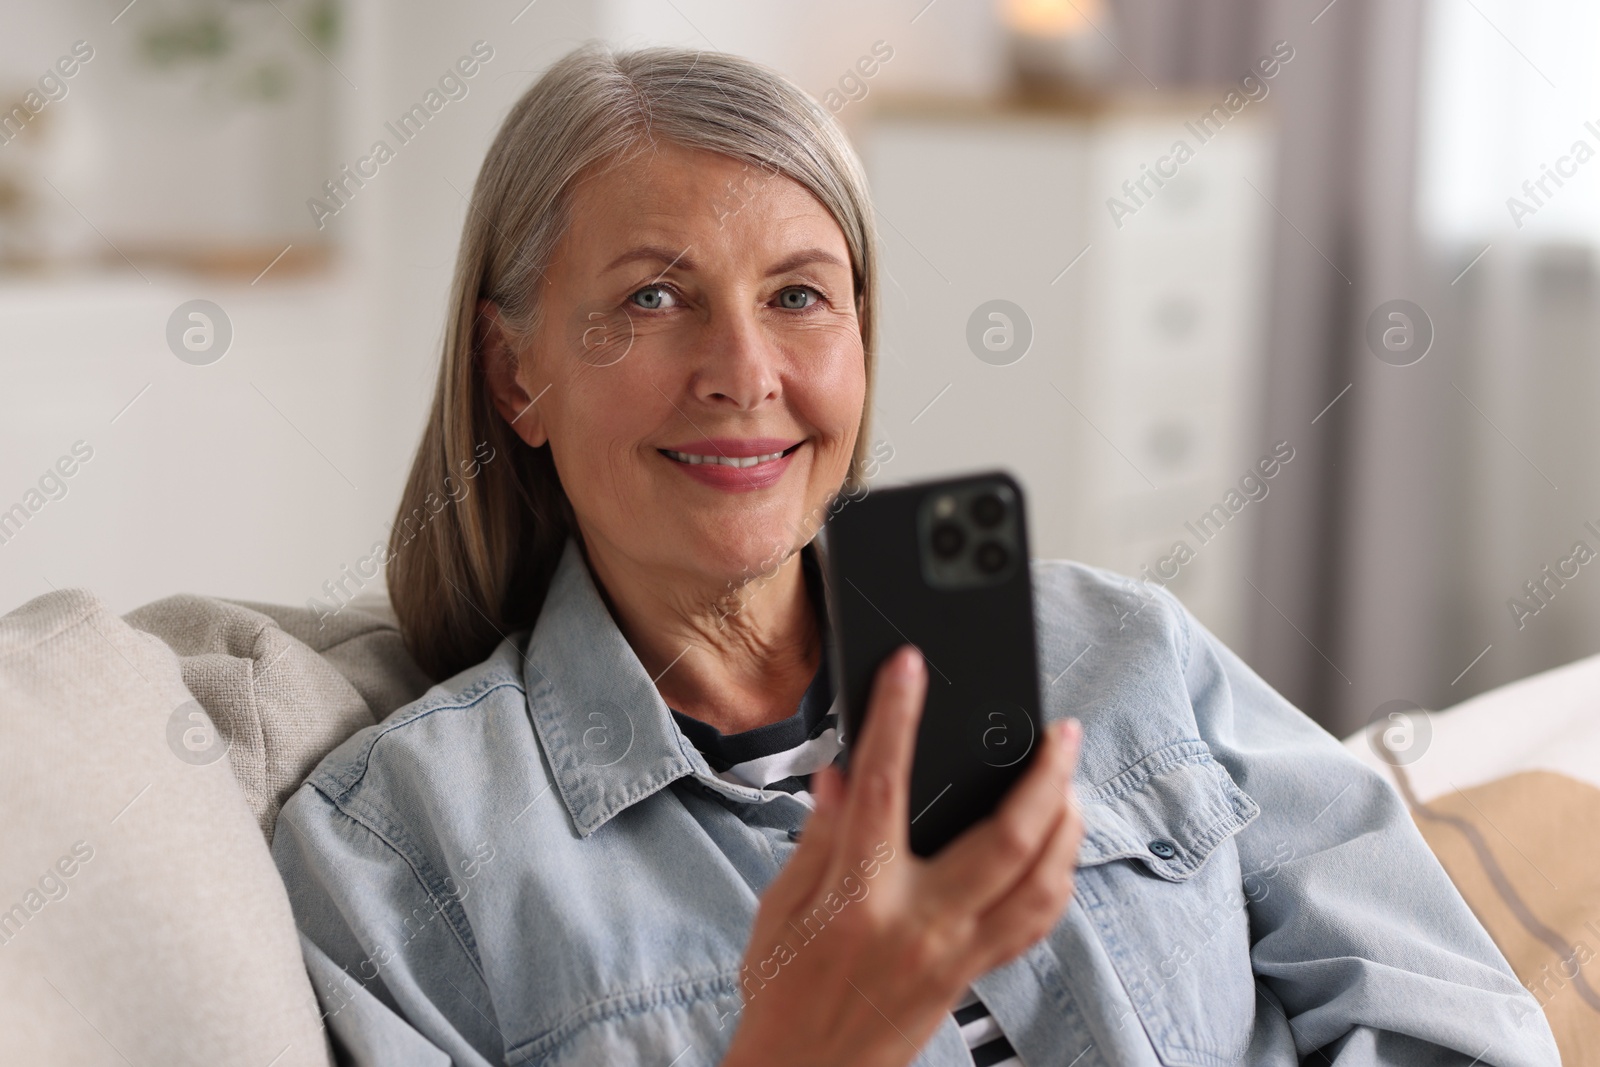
[{"x": 602, "y": 724}]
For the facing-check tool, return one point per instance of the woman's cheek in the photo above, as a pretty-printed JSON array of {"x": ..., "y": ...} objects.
[
  {"x": 830, "y": 364},
  {"x": 606, "y": 404},
  {"x": 840, "y": 391}
]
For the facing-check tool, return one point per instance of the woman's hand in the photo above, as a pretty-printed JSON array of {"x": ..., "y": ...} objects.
[{"x": 860, "y": 947}]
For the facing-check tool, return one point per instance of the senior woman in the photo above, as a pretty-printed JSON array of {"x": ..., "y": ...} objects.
[{"x": 583, "y": 845}]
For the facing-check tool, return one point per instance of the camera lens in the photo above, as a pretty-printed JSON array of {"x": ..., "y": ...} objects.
[
  {"x": 988, "y": 510},
  {"x": 948, "y": 540},
  {"x": 992, "y": 557}
]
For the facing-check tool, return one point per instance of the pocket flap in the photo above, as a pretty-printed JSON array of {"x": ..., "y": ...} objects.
[{"x": 1169, "y": 811}]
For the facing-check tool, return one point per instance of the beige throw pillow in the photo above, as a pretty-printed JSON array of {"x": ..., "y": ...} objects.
[{"x": 141, "y": 917}]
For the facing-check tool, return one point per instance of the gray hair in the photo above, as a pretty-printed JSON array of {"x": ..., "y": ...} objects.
[{"x": 462, "y": 576}]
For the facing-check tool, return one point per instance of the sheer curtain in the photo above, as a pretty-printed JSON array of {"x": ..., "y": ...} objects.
[{"x": 1509, "y": 182}]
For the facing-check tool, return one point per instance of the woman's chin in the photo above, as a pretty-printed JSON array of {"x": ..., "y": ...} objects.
[{"x": 745, "y": 556}]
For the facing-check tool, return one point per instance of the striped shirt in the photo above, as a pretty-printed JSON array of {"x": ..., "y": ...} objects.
[{"x": 782, "y": 755}]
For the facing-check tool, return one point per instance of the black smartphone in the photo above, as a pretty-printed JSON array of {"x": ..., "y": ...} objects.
[{"x": 942, "y": 565}]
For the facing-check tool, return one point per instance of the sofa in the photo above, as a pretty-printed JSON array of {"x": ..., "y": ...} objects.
[{"x": 143, "y": 760}]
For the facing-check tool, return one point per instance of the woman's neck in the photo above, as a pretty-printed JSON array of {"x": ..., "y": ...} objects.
[{"x": 735, "y": 662}]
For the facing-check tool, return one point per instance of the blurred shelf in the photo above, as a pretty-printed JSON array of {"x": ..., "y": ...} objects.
[
  {"x": 238, "y": 262},
  {"x": 1168, "y": 103},
  {"x": 247, "y": 261}
]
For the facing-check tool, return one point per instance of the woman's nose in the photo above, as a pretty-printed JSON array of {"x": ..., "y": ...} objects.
[{"x": 737, "y": 364}]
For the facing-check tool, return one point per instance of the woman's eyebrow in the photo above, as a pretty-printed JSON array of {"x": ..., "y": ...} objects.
[
  {"x": 805, "y": 257},
  {"x": 652, "y": 253},
  {"x": 669, "y": 258}
]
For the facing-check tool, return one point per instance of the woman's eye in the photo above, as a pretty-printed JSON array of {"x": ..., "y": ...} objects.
[
  {"x": 798, "y": 297},
  {"x": 652, "y": 298}
]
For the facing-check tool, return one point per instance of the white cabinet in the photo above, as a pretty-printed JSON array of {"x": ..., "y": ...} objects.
[{"x": 1136, "y": 407}]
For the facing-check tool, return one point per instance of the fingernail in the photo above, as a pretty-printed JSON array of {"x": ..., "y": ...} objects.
[
  {"x": 1072, "y": 733},
  {"x": 910, "y": 662}
]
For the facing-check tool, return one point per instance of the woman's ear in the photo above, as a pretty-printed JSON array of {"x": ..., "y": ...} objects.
[{"x": 506, "y": 371}]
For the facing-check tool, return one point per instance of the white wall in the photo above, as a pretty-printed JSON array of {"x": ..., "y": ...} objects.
[
  {"x": 261, "y": 475},
  {"x": 951, "y": 47}
]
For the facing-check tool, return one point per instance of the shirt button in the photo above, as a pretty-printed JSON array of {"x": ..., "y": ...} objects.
[{"x": 1162, "y": 849}]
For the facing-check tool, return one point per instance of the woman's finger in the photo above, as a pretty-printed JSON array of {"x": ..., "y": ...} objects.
[
  {"x": 1033, "y": 905},
  {"x": 801, "y": 877},
  {"x": 820, "y": 832},
  {"x": 977, "y": 868},
  {"x": 875, "y": 801}
]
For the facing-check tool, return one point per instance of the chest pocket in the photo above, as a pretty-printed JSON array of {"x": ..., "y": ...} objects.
[{"x": 1159, "y": 879}]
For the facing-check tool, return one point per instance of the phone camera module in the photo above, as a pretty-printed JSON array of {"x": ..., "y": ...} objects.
[
  {"x": 970, "y": 533},
  {"x": 991, "y": 557},
  {"x": 948, "y": 540},
  {"x": 988, "y": 510}
]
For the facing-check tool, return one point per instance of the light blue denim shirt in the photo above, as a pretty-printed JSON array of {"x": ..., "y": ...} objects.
[{"x": 532, "y": 865}]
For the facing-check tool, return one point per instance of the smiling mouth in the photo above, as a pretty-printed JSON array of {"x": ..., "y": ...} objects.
[{"x": 727, "y": 461}]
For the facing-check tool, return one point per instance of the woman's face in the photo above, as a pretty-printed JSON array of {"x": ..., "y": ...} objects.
[{"x": 698, "y": 370}]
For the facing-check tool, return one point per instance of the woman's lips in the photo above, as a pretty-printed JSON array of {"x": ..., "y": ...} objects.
[{"x": 707, "y": 461}]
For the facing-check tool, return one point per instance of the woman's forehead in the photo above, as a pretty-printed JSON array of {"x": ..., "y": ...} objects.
[
  {"x": 688, "y": 206},
  {"x": 668, "y": 179}
]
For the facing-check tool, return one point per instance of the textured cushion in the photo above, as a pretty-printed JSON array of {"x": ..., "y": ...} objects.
[
  {"x": 282, "y": 687},
  {"x": 1502, "y": 787},
  {"x": 141, "y": 917}
]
